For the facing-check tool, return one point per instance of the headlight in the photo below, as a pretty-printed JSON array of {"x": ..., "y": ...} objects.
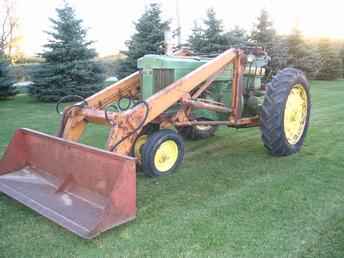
[{"x": 251, "y": 58}]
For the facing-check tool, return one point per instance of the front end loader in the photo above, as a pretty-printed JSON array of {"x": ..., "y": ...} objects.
[{"x": 149, "y": 114}]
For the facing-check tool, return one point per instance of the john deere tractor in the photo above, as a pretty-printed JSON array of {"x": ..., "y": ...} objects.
[
  {"x": 169, "y": 99},
  {"x": 280, "y": 107}
]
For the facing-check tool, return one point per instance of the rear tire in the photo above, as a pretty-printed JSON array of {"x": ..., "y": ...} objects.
[
  {"x": 284, "y": 122},
  {"x": 162, "y": 153}
]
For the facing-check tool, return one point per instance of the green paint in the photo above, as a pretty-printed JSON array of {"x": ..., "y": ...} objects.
[
  {"x": 151, "y": 65},
  {"x": 157, "y": 72}
]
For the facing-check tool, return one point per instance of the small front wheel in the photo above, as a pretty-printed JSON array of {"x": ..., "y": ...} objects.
[
  {"x": 162, "y": 153},
  {"x": 141, "y": 140}
]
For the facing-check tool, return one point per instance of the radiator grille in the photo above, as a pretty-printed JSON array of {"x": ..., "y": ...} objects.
[{"x": 162, "y": 78}]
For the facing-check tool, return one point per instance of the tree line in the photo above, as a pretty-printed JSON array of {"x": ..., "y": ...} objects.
[
  {"x": 319, "y": 58},
  {"x": 69, "y": 66}
]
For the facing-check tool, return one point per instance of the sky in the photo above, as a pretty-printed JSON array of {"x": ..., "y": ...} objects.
[{"x": 110, "y": 22}]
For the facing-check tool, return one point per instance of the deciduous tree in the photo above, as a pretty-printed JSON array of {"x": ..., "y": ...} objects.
[{"x": 8, "y": 27}]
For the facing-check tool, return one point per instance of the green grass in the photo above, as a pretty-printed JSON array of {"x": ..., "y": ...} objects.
[{"x": 229, "y": 198}]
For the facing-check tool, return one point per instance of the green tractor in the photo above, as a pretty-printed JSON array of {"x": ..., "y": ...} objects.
[
  {"x": 88, "y": 190},
  {"x": 280, "y": 107}
]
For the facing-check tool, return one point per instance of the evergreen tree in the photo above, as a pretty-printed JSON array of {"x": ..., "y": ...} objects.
[
  {"x": 148, "y": 39},
  {"x": 196, "y": 39},
  {"x": 279, "y": 54},
  {"x": 264, "y": 33},
  {"x": 6, "y": 78},
  {"x": 276, "y": 46},
  {"x": 302, "y": 55},
  {"x": 341, "y": 56},
  {"x": 236, "y": 37},
  {"x": 213, "y": 34},
  {"x": 69, "y": 68},
  {"x": 296, "y": 45},
  {"x": 210, "y": 39},
  {"x": 331, "y": 62}
]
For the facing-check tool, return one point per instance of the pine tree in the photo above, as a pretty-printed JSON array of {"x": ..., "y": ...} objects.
[
  {"x": 236, "y": 38},
  {"x": 341, "y": 56},
  {"x": 302, "y": 55},
  {"x": 210, "y": 39},
  {"x": 148, "y": 39},
  {"x": 69, "y": 68},
  {"x": 6, "y": 79},
  {"x": 331, "y": 62},
  {"x": 196, "y": 39},
  {"x": 213, "y": 34},
  {"x": 279, "y": 54},
  {"x": 276, "y": 46},
  {"x": 264, "y": 33},
  {"x": 296, "y": 45}
]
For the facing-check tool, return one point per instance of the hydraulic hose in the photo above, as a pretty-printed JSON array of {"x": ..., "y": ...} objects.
[
  {"x": 119, "y": 107},
  {"x": 65, "y": 113},
  {"x": 139, "y": 127}
]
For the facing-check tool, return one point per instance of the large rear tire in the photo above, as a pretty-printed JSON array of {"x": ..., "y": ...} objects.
[{"x": 284, "y": 118}]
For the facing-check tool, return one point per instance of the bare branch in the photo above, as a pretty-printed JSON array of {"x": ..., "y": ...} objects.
[{"x": 8, "y": 24}]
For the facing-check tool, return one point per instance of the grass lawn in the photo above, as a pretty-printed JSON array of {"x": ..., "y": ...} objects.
[{"x": 229, "y": 198}]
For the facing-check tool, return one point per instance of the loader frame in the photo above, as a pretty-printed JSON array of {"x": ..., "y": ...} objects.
[{"x": 127, "y": 125}]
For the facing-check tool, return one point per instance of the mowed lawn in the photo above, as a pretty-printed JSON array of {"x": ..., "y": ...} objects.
[{"x": 229, "y": 198}]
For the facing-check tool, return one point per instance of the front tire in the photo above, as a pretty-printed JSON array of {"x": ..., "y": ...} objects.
[
  {"x": 285, "y": 113},
  {"x": 141, "y": 140},
  {"x": 162, "y": 153}
]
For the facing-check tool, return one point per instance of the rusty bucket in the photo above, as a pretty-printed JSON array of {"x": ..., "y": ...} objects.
[{"x": 84, "y": 189}]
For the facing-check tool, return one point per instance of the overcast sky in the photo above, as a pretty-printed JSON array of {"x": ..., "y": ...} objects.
[{"x": 110, "y": 22}]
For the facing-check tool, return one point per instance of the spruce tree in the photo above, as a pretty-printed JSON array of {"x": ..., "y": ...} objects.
[
  {"x": 279, "y": 54},
  {"x": 210, "y": 39},
  {"x": 213, "y": 34},
  {"x": 69, "y": 68},
  {"x": 149, "y": 38},
  {"x": 303, "y": 55},
  {"x": 237, "y": 37},
  {"x": 196, "y": 39},
  {"x": 264, "y": 33},
  {"x": 331, "y": 62},
  {"x": 341, "y": 56},
  {"x": 6, "y": 78}
]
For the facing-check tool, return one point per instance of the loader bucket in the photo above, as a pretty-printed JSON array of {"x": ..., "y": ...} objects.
[{"x": 84, "y": 189}]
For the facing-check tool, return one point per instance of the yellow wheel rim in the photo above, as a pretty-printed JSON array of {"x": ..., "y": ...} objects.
[
  {"x": 166, "y": 156},
  {"x": 295, "y": 114},
  {"x": 138, "y": 145}
]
